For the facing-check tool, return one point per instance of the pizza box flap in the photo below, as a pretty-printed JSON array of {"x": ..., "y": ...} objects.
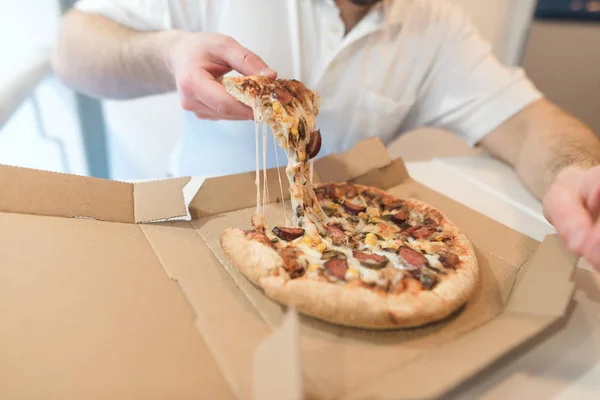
[
  {"x": 88, "y": 311},
  {"x": 368, "y": 163},
  {"x": 544, "y": 287},
  {"x": 31, "y": 191}
]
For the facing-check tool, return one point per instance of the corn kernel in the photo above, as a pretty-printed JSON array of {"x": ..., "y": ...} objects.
[
  {"x": 307, "y": 240},
  {"x": 371, "y": 239},
  {"x": 317, "y": 239},
  {"x": 375, "y": 219},
  {"x": 277, "y": 107},
  {"x": 301, "y": 156},
  {"x": 362, "y": 216},
  {"x": 313, "y": 267},
  {"x": 294, "y": 131},
  {"x": 321, "y": 247},
  {"x": 351, "y": 273}
]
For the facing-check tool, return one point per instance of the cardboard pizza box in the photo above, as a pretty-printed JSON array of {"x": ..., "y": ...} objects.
[{"x": 118, "y": 290}]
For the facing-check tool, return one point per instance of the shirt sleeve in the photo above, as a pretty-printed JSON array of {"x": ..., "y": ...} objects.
[
  {"x": 467, "y": 90},
  {"x": 144, "y": 15}
]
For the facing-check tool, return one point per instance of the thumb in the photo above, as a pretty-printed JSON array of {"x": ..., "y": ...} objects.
[
  {"x": 243, "y": 60},
  {"x": 564, "y": 208}
]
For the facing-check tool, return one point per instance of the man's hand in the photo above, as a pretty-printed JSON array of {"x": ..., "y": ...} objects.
[
  {"x": 134, "y": 64},
  {"x": 198, "y": 61},
  {"x": 572, "y": 205}
]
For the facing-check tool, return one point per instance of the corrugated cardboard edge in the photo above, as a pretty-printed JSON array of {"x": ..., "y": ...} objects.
[
  {"x": 556, "y": 264},
  {"x": 37, "y": 192},
  {"x": 46, "y": 193},
  {"x": 159, "y": 200},
  {"x": 235, "y": 192}
]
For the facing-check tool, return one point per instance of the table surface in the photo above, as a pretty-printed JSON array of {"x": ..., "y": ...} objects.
[{"x": 565, "y": 362}]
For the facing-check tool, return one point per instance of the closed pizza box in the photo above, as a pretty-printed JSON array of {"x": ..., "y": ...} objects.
[{"x": 119, "y": 290}]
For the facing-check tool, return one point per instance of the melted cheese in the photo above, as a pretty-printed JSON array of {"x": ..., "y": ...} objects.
[
  {"x": 257, "y": 180},
  {"x": 285, "y": 214},
  {"x": 264, "y": 159}
]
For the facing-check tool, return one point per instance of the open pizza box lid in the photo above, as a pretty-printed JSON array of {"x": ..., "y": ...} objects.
[{"x": 108, "y": 290}]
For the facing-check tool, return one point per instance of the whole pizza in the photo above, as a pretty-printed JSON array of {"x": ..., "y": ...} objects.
[{"x": 349, "y": 254}]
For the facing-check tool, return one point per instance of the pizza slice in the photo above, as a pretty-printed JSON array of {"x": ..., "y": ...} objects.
[{"x": 290, "y": 109}]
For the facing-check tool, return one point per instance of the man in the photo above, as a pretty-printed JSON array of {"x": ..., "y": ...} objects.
[{"x": 381, "y": 67}]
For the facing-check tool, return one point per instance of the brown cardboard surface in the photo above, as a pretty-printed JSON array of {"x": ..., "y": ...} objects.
[
  {"x": 550, "y": 364},
  {"x": 334, "y": 359},
  {"x": 340, "y": 167},
  {"x": 158, "y": 200},
  {"x": 88, "y": 312},
  {"x": 30, "y": 191},
  {"x": 203, "y": 281},
  {"x": 232, "y": 192},
  {"x": 124, "y": 310},
  {"x": 279, "y": 356}
]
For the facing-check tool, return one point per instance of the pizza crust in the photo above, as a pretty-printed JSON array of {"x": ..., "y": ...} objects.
[
  {"x": 335, "y": 303},
  {"x": 253, "y": 259}
]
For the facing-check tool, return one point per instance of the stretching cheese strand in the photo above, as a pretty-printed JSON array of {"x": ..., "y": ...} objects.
[
  {"x": 285, "y": 214},
  {"x": 265, "y": 183},
  {"x": 257, "y": 181}
]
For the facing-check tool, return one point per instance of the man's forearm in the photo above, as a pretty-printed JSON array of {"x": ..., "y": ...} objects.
[
  {"x": 553, "y": 143},
  {"x": 541, "y": 141},
  {"x": 101, "y": 58}
]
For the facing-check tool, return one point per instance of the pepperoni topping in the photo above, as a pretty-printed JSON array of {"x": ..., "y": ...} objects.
[
  {"x": 337, "y": 267},
  {"x": 449, "y": 259},
  {"x": 420, "y": 232},
  {"x": 411, "y": 258},
  {"x": 373, "y": 261},
  {"x": 336, "y": 192},
  {"x": 351, "y": 191},
  {"x": 282, "y": 96},
  {"x": 400, "y": 217},
  {"x": 291, "y": 263},
  {"x": 314, "y": 144},
  {"x": 353, "y": 208},
  {"x": 320, "y": 196},
  {"x": 288, "y": 234},
  {"x": 389, "y": 203},
  {"x": 337, "y": 235}
]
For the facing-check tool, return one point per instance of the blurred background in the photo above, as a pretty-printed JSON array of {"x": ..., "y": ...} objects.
[{"x": 47, "y": 126}]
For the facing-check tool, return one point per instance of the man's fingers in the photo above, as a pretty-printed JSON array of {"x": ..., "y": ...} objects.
[
  {"x": 217, "y": 99},
  {"x": 593, "y": 200},
  {"x": 212, "y": 94},
  {"x": 591, "y": 247},
  {"x": 243, "y": 60},
  {"x": 565, "y": 210}
]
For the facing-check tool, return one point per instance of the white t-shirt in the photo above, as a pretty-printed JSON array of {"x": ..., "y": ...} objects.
[{"x": 407, "y": 64}]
